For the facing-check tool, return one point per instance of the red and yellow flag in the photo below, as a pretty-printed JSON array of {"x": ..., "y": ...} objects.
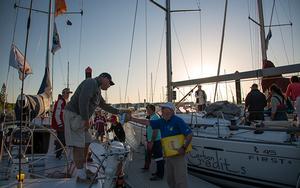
[{"x": 60, "y": 7}]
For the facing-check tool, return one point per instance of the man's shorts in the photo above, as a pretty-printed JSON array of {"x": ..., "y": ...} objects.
[{"x": 75, "y": 132}]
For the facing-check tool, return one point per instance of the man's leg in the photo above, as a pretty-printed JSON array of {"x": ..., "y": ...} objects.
[
  {"x": 170, "y": 173},
  {"x": 59, "y": 149},
  {"x": 180, "y": 172},
  {"x": 79, "y": 157}
]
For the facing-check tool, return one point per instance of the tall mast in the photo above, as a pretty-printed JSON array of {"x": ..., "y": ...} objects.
[
  {"x": 169, "y": 51},
  {"x": 48, "y": 50},
  {"x": 68, "y": 76},
  {"x": 262, "y": 30}
]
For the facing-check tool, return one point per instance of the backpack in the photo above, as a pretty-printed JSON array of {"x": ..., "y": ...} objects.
[{"x": 281, "y": 107}]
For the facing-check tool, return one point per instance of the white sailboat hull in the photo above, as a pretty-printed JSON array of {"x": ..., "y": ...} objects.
[
  {"x": 246, "y": 162},
  {"x": 242, "y": 157}
]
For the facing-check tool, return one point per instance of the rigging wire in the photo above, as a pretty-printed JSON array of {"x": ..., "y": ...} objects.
[
  {"x": 181, "y": 51},
  {"x": 200, "y": 33},
  {"x": 13, "y": 41},
  {"x": 250, "y": 35},
  {"x": 146, "y": 33},
  {"x": 284, "y": 46},
  {"x": 292, "y": 41},
  {"x": 80, "y": 37},
  {"x": 131, "y": 46},
  {"x": 159, "y": 55},
  {"x": 292, "y": 32}
]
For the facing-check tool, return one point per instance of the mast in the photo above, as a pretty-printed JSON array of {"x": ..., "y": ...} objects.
[
  {"x": 68, "y": 76},
  {"x": 169, "y": 51},
  {"x": 262, "y": 30},
  {"x": 48, "y": 50}
]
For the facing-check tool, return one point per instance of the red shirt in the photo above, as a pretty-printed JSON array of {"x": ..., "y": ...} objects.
[
  {"x": 57, "y": 115},
  {"x": 293, "y": 91},
  {"x": 100, "y": 123}
]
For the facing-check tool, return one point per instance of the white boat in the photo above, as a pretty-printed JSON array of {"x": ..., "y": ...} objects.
[{"x": 265, "y": 154}]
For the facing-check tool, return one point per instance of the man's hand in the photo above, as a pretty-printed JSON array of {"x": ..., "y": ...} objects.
[
  {"x": 127, "y": 111},
  {"x": 87, "y": 124}
]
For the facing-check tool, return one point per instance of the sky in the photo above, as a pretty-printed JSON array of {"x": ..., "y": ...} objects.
[{"x": 101, "y": 39}]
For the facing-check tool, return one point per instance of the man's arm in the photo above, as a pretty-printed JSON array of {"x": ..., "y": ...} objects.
[
  {"x": 187, "y": 141},
  {"x": 109, "y": 108},
  {"x": 140, "y": 121}
]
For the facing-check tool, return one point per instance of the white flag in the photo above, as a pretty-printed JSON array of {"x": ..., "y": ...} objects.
[
  {"x": 55, "y": 40},
  {"x": 16, "y": 60}
]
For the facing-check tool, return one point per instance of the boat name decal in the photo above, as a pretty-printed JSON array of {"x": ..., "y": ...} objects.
[
  {"x": 264, "y": 151},
  {"x": 212, "y": 160},
  {"x": 269, "y": 159}
]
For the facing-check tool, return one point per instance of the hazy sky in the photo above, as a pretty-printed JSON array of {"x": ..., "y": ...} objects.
[{"x": 106, "y": 38}]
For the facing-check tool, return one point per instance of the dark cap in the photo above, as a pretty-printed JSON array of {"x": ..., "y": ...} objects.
[
  {"x": 66, "y": 90},
  {"x": 254, "y": 86},
  {"x": 108, "y": 76}
]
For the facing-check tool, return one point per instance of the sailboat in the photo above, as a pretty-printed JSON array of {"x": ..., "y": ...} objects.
[
  {"x": 28, "y": 154},
  {"x": 232, "y": 154}
]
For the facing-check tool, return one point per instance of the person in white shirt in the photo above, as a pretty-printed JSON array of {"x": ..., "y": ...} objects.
[{"x": 200, "y": 99}]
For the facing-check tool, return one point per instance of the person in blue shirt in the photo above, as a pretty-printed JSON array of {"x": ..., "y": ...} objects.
[
  {"x": 171, "y": 125},
  {"x": 154, "y": 147}
]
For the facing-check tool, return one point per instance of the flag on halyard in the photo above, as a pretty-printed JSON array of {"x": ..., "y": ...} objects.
[
  {"x": 60, "y": 7},
  {"x": 55, "y": 40},
  {"x": 16, "y": 60}
]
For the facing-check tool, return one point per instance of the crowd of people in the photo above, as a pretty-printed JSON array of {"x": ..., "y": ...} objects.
[
  {"x": 87, "y": 109},
  {"x": 276, "y": 104}
]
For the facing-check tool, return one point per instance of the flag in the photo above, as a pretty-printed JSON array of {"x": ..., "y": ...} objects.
[
  {"x": 269, "y": 36},
  {"x": 16, "y": 60},
  {"x": 55, "y": 40},
  {"x": 69, "y": 22},
  {"x": 60, "y": 7}
]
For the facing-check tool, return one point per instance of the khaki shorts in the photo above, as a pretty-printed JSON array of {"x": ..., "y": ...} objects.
[{"x": 75, "y": 133}]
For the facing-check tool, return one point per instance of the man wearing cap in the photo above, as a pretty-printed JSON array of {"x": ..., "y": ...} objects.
[
  {"x": 255, "y": 103},
  {"x": 76, "y": 117},
  {"x": 57, "y": 122},
  {"x": 171, "y": 125}
]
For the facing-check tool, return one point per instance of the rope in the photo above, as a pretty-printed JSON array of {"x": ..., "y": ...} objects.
[
  {"x": 80, "y": 37},
  {"x": 133, "y": 31}
]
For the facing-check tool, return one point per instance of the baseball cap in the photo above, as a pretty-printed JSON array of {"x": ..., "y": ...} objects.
[
  {"x": 168, "y": 105},
  {"x": 108, "y": 76},
  {"x": 66, "y": 90}
]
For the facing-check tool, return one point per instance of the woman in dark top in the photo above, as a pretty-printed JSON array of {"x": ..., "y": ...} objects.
[{"x": 117, "y": 128}]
